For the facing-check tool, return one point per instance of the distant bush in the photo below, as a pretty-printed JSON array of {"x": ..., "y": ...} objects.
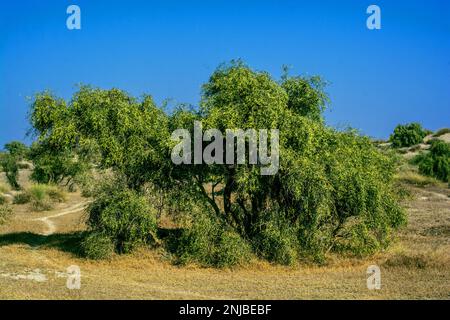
[
  {"x": 441, "y": 132},
  {"x": 435, "y": 163},
  {"x": 11, "y": 169},
  {"x": 124, "y": 216},
  {"x": 97, "y": 246},
  {"x": 17, "y": 149},
  {"x": 40, "y": 196},
  {"x": 2, "y": 199},
  {"x": 407, "y": 135},
  {"x": 54, "y": 166}
]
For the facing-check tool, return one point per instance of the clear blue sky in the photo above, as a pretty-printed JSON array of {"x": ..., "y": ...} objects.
[{"x": 379, "y": 78}]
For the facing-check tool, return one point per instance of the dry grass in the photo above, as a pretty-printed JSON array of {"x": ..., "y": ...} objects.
[{"x": 415, "y": 266}]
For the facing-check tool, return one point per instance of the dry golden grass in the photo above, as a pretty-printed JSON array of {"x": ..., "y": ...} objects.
[{"x": 416, "y": 266}]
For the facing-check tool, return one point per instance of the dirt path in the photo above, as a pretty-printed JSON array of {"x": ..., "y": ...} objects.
[{"x": 51, "y": 226}]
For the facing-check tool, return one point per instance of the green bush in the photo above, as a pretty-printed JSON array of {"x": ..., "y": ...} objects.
[
  {"x": 11, "y": 169},
  {"x": 97, "y": 246},
  {"x": 435, "y": 163},
  {"x": 208, "y": 242},
  {"x": 356, "y": 238},
  {"x": 407, "y": 135},
  {"x": 2, "y": 199},
  {"x": 124, "y": 216},
  {"x": 17, "y": 149},
  {"x": 55, "y": 166},
  {"x": 277, "y": 241}
]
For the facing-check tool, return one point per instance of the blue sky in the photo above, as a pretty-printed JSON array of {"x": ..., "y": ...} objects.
[{"x": 379, "y": 78}]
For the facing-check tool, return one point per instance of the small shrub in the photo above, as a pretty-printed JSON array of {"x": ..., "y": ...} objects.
[
  {"x": 2, "y": 199},
  {"x": 22, "y": 198},
  {"x": 97, "y": 246},
  {"x": 40, "y": 196},
  {"x": 407, "y": 135},
  {"x": 56, "y": 194},
  {"x": 435, "y": 163},
  {"x": 211, "y": 244},
  {"x": 441, "y": 132},
  {"x": 40, "y": 201},
  {"x": 17, "y": 149},
  {"x": 9, "y": 165},
  {"x": 124, "y": 216}
]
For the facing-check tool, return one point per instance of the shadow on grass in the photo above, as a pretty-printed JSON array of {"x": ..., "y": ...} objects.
[{"x": 67, "y": 242}]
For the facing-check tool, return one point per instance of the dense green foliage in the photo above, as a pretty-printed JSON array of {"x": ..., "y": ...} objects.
[
  {"x": 55, "y": 167},
  {"x": 123, "y": 216},
  {"x": 97, "y": 246},
  {"x": 333, "y": 190},
  {"x": 17, "y": 149},
  {"x": 435, "y": 163},
  {"x": 10, "y": 167},
  {"x": 407, "y": 135},
  {"x": 210, "y": 243}
]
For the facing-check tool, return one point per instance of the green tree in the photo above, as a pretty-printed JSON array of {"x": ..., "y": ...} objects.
[
  {"x": 333, "y": 190},
  {"x": 9, "y": 163},
  {"x": 407, "y": 135},
  {"x": 17, "y": 149}
]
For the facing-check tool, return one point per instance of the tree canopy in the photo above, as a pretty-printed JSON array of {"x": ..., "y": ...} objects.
[{"x": 332, "y": 192}]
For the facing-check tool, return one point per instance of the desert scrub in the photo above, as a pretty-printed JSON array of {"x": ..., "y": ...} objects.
[
  {"x": 2, "y": 199},
  {"x": 407, "y": 135},
  {"x": 5, "y": 213},
  {"x": 436, "y": 162},
  {"x": 410, "y": 176},
  {"x": 124, "y": 216},
  {"x": 97, "y": 246},
  {"x": 211, "y": 244},
  {"x": 22, "y": 198},
  {"x": 441, "y": 132},
  {"x": 40, "y": 196}
]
